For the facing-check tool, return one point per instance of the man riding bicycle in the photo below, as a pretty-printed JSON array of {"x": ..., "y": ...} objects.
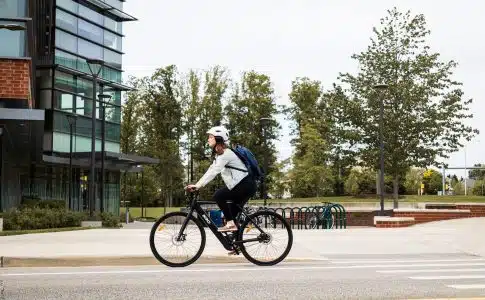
[{"x": 240, "y": 186}]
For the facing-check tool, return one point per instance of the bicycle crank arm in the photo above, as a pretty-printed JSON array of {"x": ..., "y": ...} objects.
[{"x": 247, "y": 241}]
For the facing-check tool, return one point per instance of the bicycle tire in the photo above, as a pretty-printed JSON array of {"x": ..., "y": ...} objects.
[
  {"x": 172, "y": 264},
  {"x": 286, "y": 226}
]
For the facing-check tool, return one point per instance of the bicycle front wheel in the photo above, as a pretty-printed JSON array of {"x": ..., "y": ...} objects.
[
  {"x": 172, "y": 250},
  {"x": 270, "y": 243}
]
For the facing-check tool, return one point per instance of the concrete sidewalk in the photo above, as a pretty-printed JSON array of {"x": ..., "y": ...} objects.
[{"x": 456, "y": 236}]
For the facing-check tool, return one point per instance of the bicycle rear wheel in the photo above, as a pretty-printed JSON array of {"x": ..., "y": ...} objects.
[
  {"x": 271, "y": 244},
  {"x": 170, "y": 251}
]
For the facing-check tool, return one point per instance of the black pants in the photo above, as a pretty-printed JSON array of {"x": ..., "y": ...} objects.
[{"x": 240, "y": 194}]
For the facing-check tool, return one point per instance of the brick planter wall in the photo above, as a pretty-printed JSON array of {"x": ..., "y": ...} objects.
[
  {"x": 393, "y": 222},
  {"x": 430, "y": 215}
]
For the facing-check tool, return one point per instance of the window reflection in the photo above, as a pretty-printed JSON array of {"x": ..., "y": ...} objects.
[
  {"x": 66, "y": 41},
  {"x": 12, "y": 42},
  {"x": 90, "y": 31},
  {"x": 66, "y": 21},
  {"x": 13, "y": 8},
  {"x": 63, "y": 101},
  {"x": 68, "y": 5}
]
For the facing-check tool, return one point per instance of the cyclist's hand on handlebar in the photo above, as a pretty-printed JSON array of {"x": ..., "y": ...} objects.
[{"x": 191, "y": 188}]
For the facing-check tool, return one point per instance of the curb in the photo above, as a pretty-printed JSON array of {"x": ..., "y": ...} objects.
[{"x": 29, "y": 262}]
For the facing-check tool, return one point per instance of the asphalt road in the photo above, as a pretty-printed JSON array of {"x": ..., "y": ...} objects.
[{"x": 340, "y": 277}]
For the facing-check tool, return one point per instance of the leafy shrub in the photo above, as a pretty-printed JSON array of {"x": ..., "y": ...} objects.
[
  {"x": 38, "y": 203},
  {"x": 41, "y": 218},
  {"x": 108, "y": 220},
  {"x": 123, "y": 217}
]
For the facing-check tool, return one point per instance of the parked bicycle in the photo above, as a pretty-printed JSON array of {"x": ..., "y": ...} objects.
[{"x": 260, "y": 235}]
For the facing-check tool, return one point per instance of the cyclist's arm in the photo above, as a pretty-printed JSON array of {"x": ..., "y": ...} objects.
[{"x": 216, "y": 168}]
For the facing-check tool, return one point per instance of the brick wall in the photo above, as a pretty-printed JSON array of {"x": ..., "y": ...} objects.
[
  {"x": 14, "y": 79},
  {"x": 430, "y": 215}
]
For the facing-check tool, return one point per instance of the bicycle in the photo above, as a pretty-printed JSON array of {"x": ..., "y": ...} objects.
[{"x": 185, "y": 223}]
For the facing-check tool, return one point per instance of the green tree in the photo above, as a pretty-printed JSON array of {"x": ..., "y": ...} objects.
[
  {"x": 252, "y": 99},
  {"x": 162, "y": 130},
  {"x": 424, "y": 107},
  {"x": 479, "y": 188},
  {"x": 189, "y": 90},
  {"x": 280, "y": 179},
  {"x": 311, "y": 176},
  {"x": 477, "y": 174},
  {"x": 413, "y": 180},
  {"x": 361, "y": 181},
  {"x": 131, "y": 119},
  {"x": 433, "y": 182}
]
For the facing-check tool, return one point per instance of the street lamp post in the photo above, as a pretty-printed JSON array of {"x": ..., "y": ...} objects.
[
  {"x": 95, "y": 66},
  {"x": 265, "y": 122},
  {"x": 103, "y": 99},
  {"x": 381, "y": 87},
  {"x": 71, "y": 118}
]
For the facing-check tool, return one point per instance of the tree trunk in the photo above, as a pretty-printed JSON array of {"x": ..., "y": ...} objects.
[{"x": 396, "y": 190}]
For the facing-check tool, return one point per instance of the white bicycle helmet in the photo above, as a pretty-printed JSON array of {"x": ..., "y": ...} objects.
[{"x": 220, "y": 133}]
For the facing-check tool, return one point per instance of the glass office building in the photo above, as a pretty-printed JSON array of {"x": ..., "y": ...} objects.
[{"x": 68, "y": 33}]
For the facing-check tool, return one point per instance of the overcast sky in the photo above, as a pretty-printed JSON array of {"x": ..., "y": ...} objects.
[{"x": 313, "y": 38}]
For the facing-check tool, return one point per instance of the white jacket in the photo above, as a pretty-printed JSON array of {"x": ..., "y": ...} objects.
[{"x": 231, "y": 177}]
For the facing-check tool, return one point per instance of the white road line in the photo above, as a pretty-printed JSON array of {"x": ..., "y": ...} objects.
[
  {"x": 364, "y": 261},
  {"x": 431, "y": 271},
  {"x": 252, "y": 269},
  {"x": 467, "y": 286},
  {"x": 440, "y": 277}
]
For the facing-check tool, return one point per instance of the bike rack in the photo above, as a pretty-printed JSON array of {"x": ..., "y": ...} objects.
[{"x": 327, "y": 216}]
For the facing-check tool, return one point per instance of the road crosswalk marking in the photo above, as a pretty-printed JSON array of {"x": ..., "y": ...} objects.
[
  {"x": 467, "y": 286},
  {"x": 442, "y": 277},
  {"x": 459, "y": 270},
  {"x": 350, "y": 261},
  {"x": 431, "y": 271}
]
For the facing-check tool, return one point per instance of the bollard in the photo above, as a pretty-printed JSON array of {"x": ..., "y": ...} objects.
[
  {"x": 1, "y": 262},
  {"x": 127, "y": 214}
]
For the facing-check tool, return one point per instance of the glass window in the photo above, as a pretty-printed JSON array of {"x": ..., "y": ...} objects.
[
  {"x": 13, "y": 42},
  {"x": 113, "y": 113},
  {"x": 63, "y": 101},
  {"x": 80, "y": 106},
  {"x": 66, "y": 21},
  {"x": 91, "y": 15},
  {"x": 68, "y": 5},
  {"x": 90, "y": 31},
  {"x": 66, "y": 59},
  {"x": 112, "y": 58},
  {"x": 66, "y": 41},
  {"x": 112, "y": 40},
  {"x": 111, "y": 74},
  {"x": 113, "y": 25},
  {"x": 115, "y": 95},
  {"x": 13, "y": 8},
  {"x": 85, "y": 88},
  {"x": 89, "y": 50},
  {"x": 65, "y": 82}
]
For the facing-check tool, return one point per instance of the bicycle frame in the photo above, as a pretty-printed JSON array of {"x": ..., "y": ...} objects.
[{"x": 223, "y": 238}]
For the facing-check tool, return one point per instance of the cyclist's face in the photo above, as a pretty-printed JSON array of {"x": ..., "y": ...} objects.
[{"x": 211, "y": 140}]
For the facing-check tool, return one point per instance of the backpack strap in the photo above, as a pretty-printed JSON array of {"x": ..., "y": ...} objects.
[{"x": 231, "y": 167}]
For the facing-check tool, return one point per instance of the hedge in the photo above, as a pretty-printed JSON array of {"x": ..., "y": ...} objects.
[
  {"x": 28, "y": 218},
  {"x": 41, "y": 218}
]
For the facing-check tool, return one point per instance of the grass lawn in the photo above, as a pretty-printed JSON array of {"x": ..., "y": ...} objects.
[
  {"x": 18, "y": 232},
  {"x": 151, "y": 212},
  {"x": 156, "y": 212},
  {"x": 407, "y": 198}
]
